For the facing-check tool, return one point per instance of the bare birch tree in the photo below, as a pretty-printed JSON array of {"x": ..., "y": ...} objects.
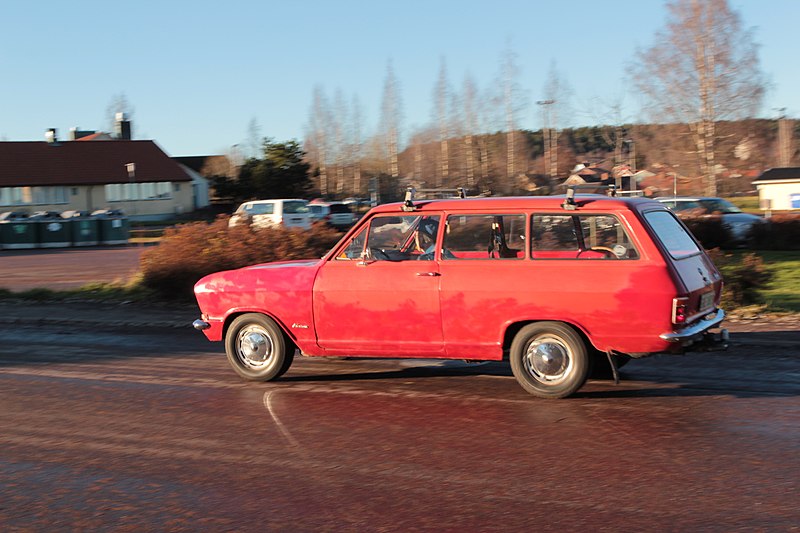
[
  {"x": 441, "y": 98},
  {"x": 339, "y": 125},
  {"x": 255, "y": 140},
  {"x": 356, "y": 142},
  {"x": 318, "y": 135},
  {"x": 119, "y": 104},
  {"x": 703, "y": 68},
  {"x": 391, "y": 107},
  {"x": 469, "y": 99},
  {"x": 555, "y": 107},
  {"x": 513, "y": 103}
]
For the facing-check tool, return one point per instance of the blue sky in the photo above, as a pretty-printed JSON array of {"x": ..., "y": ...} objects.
[{"x": 197, "y": 72}]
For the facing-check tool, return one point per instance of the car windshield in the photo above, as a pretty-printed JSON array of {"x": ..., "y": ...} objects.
[
  {"x": 718, "y": 205},
  {"x": 295, "y": 206}
]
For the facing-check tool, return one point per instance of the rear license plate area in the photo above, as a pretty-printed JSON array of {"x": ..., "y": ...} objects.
[{"x": 706, "y": 301}]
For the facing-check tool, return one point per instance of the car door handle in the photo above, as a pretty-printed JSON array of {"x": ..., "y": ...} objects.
[{"x": 428, "y": 274}]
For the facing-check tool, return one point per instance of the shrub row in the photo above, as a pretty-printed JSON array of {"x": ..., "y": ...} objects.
[
  {"x": 745, "y": 277},
  {"x": 190, "y": 251},
  {"x": 781, "y": 232}
]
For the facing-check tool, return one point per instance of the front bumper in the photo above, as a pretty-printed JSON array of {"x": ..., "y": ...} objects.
[
  {"x": 211, "y": 328},
  {"x": 698, "y": 335}
]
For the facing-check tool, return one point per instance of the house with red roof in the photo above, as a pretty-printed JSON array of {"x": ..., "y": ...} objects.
[{"x": 87, "y": 174}]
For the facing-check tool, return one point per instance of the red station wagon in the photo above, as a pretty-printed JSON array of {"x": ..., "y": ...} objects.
[{"x": 552, "y": 284}]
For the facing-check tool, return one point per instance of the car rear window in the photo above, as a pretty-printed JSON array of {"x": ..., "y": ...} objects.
[
  {"x": 672, "y": 234},
  {"x": 294, "y": 207},
  {"x": 339, "y": 208},
  {"x": 261, "y": 209}
]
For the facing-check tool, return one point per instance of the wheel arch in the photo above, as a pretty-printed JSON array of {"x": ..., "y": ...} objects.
[
  {"x": 514, "y": 327},
  {"x": 239, "y": 312}
]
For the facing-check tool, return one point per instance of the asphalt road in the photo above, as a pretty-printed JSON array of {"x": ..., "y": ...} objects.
[{"x": 110, "y": 423}]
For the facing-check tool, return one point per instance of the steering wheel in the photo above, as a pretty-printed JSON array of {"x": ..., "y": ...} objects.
[
  {"x": 605, "y": 250},
  {"x": 379, "y": 254}
]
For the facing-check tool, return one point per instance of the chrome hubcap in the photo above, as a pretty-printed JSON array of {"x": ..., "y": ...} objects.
[
  {"x": 254, "y": 347},
  {"x": 548, "y": 359}
]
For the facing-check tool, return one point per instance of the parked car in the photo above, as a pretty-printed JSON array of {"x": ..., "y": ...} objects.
[
  {"x": 739, "y": 223},
  {"x": 292, "y": 213},
  {"x": 551, "y": 285},
  {"x": 337, "y": 214}
]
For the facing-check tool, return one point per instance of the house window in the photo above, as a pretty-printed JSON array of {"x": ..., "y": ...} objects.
[
  {"x": 12, "y": 196},
  {"x": 125, "y": 192}
]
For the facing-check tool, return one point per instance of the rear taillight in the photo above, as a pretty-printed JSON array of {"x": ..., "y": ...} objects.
[{"x": 679, "y": 310}]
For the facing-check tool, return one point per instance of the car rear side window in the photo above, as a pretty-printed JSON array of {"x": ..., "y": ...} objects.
[
  {"x": 579, "y": 236},
  {"x": 484, "y": 237},
  {"x": 672, "y": 234}
]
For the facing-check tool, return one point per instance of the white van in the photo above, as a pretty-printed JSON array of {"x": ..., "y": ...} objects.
[{"x": 291, "y": 213}]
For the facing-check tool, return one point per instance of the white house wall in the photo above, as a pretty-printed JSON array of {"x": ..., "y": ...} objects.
[
  {"x": 93, "y": 197},
  {"x": 779, "y": 194}
]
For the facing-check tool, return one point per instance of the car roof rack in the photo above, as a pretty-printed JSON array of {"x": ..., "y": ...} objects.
[
  {"x": 569, "y": 200},
  {"x": 408, "y": 203}
]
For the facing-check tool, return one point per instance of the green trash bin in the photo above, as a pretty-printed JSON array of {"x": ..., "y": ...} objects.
[
  {"x": 85, "y": 228},
  {"x": 52, "y": 231},
  {"x": 114, "y": 226},
  {"x": 16, "y": 231}
]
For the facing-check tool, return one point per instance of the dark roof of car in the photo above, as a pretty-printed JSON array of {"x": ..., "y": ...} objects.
[
  {"x": 84, "y": 163},
  {"x": 782, "y": 173}
]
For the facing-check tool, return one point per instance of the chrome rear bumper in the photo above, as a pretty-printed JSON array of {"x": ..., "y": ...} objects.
[{"x": 698, "y": 333}]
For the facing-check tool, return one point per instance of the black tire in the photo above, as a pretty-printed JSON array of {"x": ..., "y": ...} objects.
[
  {"x": 549, "y": 359},
  {"x": 257, "y": 348}
]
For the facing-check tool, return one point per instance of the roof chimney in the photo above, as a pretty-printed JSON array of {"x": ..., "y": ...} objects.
[
  {"x": 123, "y": 127},
  {"x": 50, "y": 136}
]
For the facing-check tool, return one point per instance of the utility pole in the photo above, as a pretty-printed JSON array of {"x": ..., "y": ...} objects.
[{"x": 784, "y": 139}]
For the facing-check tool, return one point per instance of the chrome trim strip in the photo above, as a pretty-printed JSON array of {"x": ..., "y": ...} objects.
[
  {"x": 200, "y": 325},
  {"x": 695, "y": 329}
]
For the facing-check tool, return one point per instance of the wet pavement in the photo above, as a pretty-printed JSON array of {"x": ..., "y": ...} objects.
[{"x": 120, "y": 417}]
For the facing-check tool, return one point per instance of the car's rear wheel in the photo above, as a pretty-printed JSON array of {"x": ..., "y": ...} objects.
[
  {"x": 257, "y": 349},
  {"x": 549, "y": 359}
]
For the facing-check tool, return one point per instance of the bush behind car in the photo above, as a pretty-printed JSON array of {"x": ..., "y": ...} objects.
[{"x": 190, "y": 251}]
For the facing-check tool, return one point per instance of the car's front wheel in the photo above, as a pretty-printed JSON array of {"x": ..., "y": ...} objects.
[
  {"x": 549, "y": 359},
  {"x": 257, "y": 349}
]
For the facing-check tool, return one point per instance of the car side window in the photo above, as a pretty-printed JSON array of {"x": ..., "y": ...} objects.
[
  {"x": 355, "y": 248},
  {"x": 580, "y": 237},
  {"x": 261, "y": 209},
  {"x": 484, "y": 237},
  {"x": 395, "y": 238}
]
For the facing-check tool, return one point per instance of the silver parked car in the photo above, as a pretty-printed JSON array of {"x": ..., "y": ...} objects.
[
  {"x": 738, "y": 222},
  {"x": 337, "y": 214},
  {"x": 291, "y": 213}
]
